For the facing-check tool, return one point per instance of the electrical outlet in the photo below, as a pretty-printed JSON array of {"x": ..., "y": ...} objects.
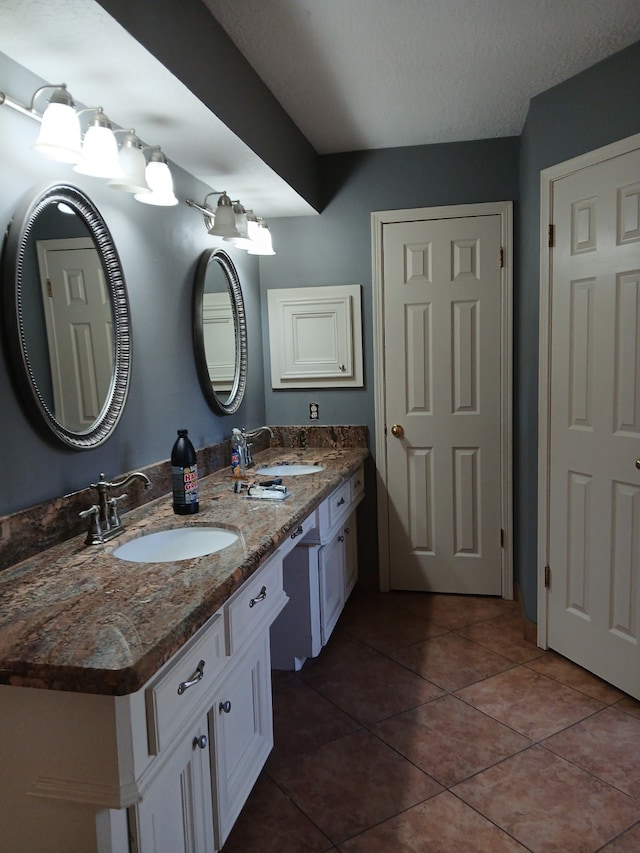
[{"x": 314, "y": 411}]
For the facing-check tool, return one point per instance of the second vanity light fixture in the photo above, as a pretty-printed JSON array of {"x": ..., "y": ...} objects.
[
  {"x": 231, "y": 221},
  {"x": 97, "y": 153}
]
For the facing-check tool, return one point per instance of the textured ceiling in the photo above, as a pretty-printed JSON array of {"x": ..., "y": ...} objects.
[
  {"x": 352, "y": 74},
  {"x": 358, "y": 74}
]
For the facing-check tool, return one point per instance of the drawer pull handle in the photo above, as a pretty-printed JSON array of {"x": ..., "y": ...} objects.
[
  {"x": 261, "y": 597},
  {"x": 340, "y": 502},
  {"x": 297, "y": 532},
  {"x": 195, "y": 678},
  {"x": 200, "y": 742},
  {"x": 224, "y": 707}
]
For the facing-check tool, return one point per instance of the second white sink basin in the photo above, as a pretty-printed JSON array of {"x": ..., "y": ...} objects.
[
  {"x": 179, "y": 543},
  {"x": 288, "y": 470}
]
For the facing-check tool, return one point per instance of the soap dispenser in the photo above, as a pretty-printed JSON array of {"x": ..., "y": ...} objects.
[{"x": 238, "y": 454}]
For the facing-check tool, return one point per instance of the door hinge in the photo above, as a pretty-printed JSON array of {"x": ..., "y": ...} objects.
[
  {"x": 501, "y": 257},
  {"x": 49, "y": 289},
  {"x": 501, "y": 538},
  {"x": 547, "y": 577},
  {"x": 552, "y": 236}
]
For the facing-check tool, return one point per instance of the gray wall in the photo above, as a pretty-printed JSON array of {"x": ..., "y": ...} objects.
[
  {"x": 592, "y": 109},
  {"x": 159, "y": 249},
  {"x": 335, "y": 248}
]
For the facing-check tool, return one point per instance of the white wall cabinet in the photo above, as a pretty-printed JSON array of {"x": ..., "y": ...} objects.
[
  {"x": 315, "y": 337},
  {"x": 318, "y": 577}
]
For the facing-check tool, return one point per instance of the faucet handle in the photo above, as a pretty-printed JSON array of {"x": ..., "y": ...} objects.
[
  {"x": 94, "y": 533},
  {"x": 114, "y": 518}
]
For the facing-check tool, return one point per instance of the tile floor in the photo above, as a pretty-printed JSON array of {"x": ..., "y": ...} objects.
[{"x": 429, "y": 724}]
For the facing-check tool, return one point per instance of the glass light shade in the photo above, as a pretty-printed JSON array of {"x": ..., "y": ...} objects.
[
  {"x": 262, "y": 245},
  {"x": 253, "y": 232},
  {"x": 225, "y": 219},
  {"x": 99, "y": 150},
  {"x": 133, "y": 165},
  {"x": 59, "y": 137},
  {"x": 160, "y": 182}
]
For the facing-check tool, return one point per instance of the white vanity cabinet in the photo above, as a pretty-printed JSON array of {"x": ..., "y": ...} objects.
[
  {"x": 318, "y": 576},
  {"x": 162, "y": 770}
]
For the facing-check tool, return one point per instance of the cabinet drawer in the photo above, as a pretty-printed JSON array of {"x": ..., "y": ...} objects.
[
  {"x": 338, "y": 503},
  {"x": 178, "y": 689},
  {"x": 256, "y": 604},
  {"x": 302, "y": 531}
]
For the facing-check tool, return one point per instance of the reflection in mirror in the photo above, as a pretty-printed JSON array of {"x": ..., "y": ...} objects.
[
  {"x": 219, "y": 332},
  {"x": 66, "y": 316}
]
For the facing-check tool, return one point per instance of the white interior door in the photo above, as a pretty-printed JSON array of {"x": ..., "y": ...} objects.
[
  {"x": 443, "y": 368},
  {"x": 593, "y": 603},
  {"x": 79, "y": 322}
]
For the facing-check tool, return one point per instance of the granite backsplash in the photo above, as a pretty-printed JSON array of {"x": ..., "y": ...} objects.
[{"x": 34, "y": 529}]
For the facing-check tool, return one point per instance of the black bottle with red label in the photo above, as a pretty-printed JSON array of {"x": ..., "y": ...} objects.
[{"x": 184, "y": 470}]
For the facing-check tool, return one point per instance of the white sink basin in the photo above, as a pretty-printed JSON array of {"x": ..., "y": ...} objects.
[
  {"x": 288, "y": 470},
  {"x": 179, "y": 543}
]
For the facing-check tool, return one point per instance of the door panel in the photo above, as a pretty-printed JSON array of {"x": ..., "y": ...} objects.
[
  {"x": 442, "y": 362},
  {"x": 594, "y": 486}
]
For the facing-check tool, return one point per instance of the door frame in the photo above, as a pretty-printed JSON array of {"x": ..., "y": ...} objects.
[
  {"x": 548, "y": 177},
  {"x": 378, "y": 220}
]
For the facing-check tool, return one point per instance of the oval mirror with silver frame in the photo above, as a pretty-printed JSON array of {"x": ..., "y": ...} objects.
[
  {"x": 219, "y": 332},
  {"x": 66, "y": 317}
]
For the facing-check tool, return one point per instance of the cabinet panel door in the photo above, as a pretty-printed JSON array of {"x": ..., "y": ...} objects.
[
  {"x": 351, "y": 555},
  {"x": 176, "y": 812},
  {"x": 241, "y": 727},
  {"x": 332, "y": 568}
]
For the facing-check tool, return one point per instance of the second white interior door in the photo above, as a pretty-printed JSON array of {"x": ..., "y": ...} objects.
[{"x": 442, "y": 283}]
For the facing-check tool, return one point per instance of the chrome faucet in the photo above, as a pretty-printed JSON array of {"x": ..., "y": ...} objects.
[
  {"x": 253, "y": 434},
  {"x": 104, "y": 519}
]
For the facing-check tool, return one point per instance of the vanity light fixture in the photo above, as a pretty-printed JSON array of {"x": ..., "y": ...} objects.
[
  {"x": 60, "y": 139},
  {"x": 159, "y": 180},
  {"x": 99, "y": 149}
]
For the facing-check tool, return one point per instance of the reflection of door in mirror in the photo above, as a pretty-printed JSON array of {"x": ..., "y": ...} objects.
[
  {"x": 219, "y": 340},
  {"x": 79, "y": 324}
]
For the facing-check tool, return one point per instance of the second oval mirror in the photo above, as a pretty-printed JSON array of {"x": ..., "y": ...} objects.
[{"x": 220, "y": 332}]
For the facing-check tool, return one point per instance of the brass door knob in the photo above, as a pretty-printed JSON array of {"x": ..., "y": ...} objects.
[
  {"x": 397, "y": 430},
  {"x": 638, "y": 464}
]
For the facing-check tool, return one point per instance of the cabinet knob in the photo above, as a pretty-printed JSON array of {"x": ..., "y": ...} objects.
[
  {"x": 200, "y": 742},
  {"x": 195, "y": 678},
  {"x": 340, "y": 538},
  {"x": 260, "y": 597},
  {"x": 224, "y": 707}
]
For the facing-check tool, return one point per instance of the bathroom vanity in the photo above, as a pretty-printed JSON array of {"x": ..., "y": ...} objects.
[{"x": 135, "y": 698}]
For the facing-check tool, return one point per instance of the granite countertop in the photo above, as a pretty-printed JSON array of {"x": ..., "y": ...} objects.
[{"x": 77, "y": 618}]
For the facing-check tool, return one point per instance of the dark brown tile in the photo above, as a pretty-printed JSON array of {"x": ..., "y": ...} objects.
[
  {"x": 449, "y": 740},
  {"x": 391, "y": 629},
  {"x": 559, "y": 668},
  {"x": 451, "y": 661},
  {"x": 377, "y": 688},
  {"x": 271, "y": 823},
  {"x": 606, "y": 745},
  {"x": 629, "y": 705},
  {"x": 548, "y": 804},
  {"x": 456, "y": 611},
  {"x": 442, "y": 824},
  {"x": 504, "y": 635},
  {"x": 342, "y": 650},
  {"x": 628, "y": 842},
  {"x": 303, "y": 720},
  {"x": 351, "y": 784},
  {"x": 532, "y": 704}
]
